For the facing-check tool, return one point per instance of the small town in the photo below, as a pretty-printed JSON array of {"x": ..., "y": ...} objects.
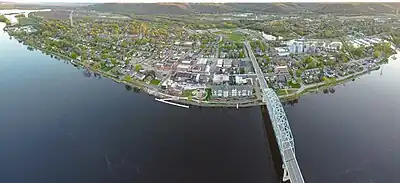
[
  {"x": 208, "y": 64},
  {"x": 200, "y": 91}
]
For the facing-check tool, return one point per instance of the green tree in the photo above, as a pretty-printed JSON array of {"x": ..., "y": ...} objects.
[
  {"x": 241, "y": 70},
  {"x": 308, "y": 59},
  {"x": 138, "y": 67},
  {"x": 241, "y": 54},
  {"x": 20, "y": 16},
  {"x": 114, "y": 61},
  {"x": 299, "y": 72},
  {"x": 73, "y": 55},
  {"x": 4, "y": 19},
  {"x": 377, "y": 53}
]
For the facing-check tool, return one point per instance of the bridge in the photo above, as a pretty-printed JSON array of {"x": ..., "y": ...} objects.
[{"x": 280, "y": 125}]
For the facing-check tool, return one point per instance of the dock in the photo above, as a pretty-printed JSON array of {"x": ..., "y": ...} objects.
[{"x": 171, "y": 103}]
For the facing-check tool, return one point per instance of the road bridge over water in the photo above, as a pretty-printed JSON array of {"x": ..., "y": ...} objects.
[{"x": 280, "y": 125}]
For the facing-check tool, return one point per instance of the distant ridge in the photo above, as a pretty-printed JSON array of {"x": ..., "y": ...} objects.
[{"x": 274, "y": 8}]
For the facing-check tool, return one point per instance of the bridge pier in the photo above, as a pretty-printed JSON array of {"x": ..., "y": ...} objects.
[{"x": 285, "y": 174}]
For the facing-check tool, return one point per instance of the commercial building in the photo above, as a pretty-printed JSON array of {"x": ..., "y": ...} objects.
[
  {"x": 220, "y": 78},
  {"x": 231, "y": 91}
]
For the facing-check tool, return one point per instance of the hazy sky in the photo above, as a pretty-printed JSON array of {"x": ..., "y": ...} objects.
[{"x": 148, "y": 1}]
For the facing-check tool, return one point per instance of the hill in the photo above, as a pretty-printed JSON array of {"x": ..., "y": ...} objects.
[{"x": 273, "y": 8}]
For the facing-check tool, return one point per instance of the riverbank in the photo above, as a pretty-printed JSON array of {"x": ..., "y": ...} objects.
[
  {"x": 309, "y": 89},
  {"x": 155, "y": 91}
]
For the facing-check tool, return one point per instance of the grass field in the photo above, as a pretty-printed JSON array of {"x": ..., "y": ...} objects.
[
  {"x": 155, "y": 82},
  {"x": 187, "y": 93},
  {"x": 236, "y": 37},
  {"x": 26, "y": 21}
]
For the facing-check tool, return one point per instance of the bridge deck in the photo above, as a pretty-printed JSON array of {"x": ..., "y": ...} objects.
[
  {"x": 279, "y": 122},
  {"x": 292, "y": 166}
]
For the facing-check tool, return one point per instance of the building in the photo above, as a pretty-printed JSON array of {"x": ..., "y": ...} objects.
[
  {"x": 268, "y": 37},
  {"x": 227, "y": 63},
  {"x": 281, "y": 70},
  {"x": 231, "y": 91},
  {"x": 282, "y": 73},
  {"x": 189, "y": 43},
  {"x": 220, "y": 62},
  {"x": 220, "y": 78},
  {"x": 186, "y": 62},
  {"x": 202, "y": 61}
]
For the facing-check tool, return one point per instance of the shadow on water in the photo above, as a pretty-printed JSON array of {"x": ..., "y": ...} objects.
[{"x": 272, "y": 143}]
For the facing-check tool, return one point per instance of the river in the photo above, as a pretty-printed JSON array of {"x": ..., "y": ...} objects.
[
  {"x": 56, "y": 125},
  {"x": 352, "y": 135}
]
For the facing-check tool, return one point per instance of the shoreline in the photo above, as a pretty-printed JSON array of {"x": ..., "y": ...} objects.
[{"x": 151, "y": 90}]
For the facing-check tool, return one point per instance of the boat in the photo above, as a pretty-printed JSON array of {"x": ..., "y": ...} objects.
[{"x": 74, "y": 63}]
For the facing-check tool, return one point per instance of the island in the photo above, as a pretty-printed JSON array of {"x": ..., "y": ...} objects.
[{"x": 201, "y": 59}]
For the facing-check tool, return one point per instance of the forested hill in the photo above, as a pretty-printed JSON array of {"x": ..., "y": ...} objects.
[{"x": 273, "y": 8}]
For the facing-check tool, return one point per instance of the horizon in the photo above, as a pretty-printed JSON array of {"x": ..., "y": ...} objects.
[{"x": 195, "y": 1}]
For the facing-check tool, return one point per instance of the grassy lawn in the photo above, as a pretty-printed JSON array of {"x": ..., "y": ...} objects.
[
  {"x": 235, "y": 37},
  {"x": 27, "y": 21},
  {"x": 294, "y": 85},
  {"x": 280, "y": 92},
  {"x": 105, "y": 68},
  {"x": 187, "y": 93},
  {"x": 155, "y": 82}
]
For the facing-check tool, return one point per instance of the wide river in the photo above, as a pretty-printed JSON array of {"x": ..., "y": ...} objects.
[{"x": 58, "y": 125}]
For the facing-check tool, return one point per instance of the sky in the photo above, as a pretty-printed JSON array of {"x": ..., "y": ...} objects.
[{"x": 216, "y": 1}]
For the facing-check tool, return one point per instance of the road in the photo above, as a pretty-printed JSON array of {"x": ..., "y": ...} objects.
[{"x": 257, "y": 69}]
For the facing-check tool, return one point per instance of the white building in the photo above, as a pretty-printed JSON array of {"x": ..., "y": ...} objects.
[
  {"x": 220, "y": 62},
  {"x": 228, "y": 91},
  {"x": 227, "y": 63},
  {"x": 220, "y": 78}
]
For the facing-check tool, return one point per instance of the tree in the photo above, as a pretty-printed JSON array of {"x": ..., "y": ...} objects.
[
  {"x": 377, "y": 53},
  {"x": 113, "y": 61},
  {"x": 308, "y": 60},
  {"x": 267, "y": 58},
  {"x": 299, "y": 72},
  {"x": 241, "y": 70},
  {"x": 20, "y": 16},
  {"x": 241, "y": 54},
  {"x": 74, "y": 55},
  {"x": 138, "y": 67},
  {"x": 4, "y": 19}
]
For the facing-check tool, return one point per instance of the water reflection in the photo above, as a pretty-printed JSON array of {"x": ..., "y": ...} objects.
[{"x": 128, "y": 88}]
